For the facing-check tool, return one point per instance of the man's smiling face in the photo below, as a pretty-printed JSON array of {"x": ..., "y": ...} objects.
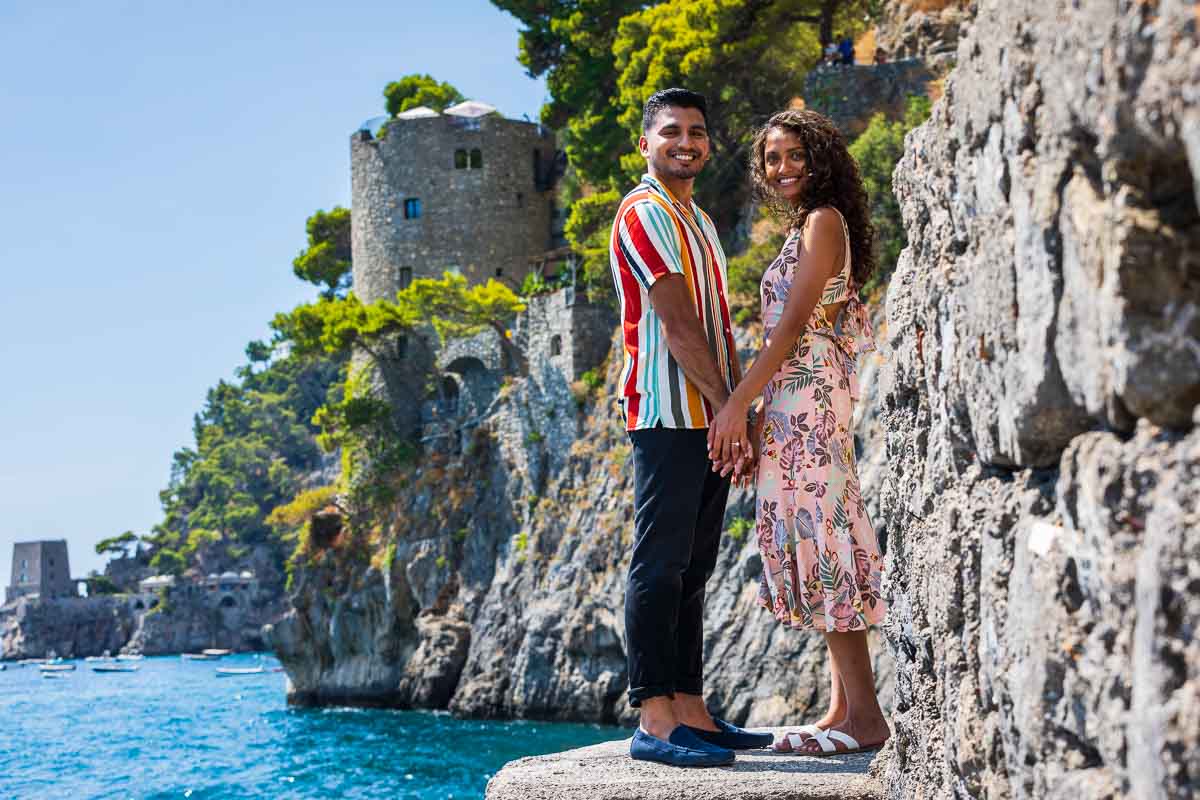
[{"x": 676, "y": 145}]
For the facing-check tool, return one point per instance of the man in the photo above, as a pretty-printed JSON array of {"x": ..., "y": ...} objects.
[{"x": 680, "y": 366}]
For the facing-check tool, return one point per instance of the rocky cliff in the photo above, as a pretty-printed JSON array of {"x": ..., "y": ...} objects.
[
  {"x": 1043, "y": 459},
  {"x": 71, "y": 627},
  {"x": 500, "y": 587}
]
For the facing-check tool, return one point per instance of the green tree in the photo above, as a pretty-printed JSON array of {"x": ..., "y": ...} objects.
[
  {"x": 117, "y": 546},
  {"x": 587, "y": 231},
  {"x": 168, "y": 562},
  {"x": 101, "y": 584},
  {"x": 326, "y": 260},
  {"x": 748, "y": 57},
  {"x": 456, "y": 309},
  {"x": 419, "y": 90},
  {"x": 877, "y": 150},
  {"x": 569, "y": 42}
]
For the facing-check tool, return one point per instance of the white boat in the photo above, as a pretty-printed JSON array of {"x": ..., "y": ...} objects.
[
  {"x": 115, "y": 668},
  {"x": 215, "y": 653},
  {"x": 105, "y": 657},
  {"x": 54, "y": 674},
  {"x": 56, "y": 667},
  {"x": 25, "y": 661},
  {"x": 130, "y": 657},
  {"x": 230, "y": 672},
  {"x": 198, "y": 657}
]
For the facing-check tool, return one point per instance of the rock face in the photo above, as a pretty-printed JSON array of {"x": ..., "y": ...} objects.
[
  {"x": 923, "y": 29},
  {"x": 1040, "y": 499},
  {"x": 501, "y": 589},
  {"x": 73, "y": 627}
]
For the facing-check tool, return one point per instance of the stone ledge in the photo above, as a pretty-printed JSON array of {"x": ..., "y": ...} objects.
[{"x": 605, "y": 772}]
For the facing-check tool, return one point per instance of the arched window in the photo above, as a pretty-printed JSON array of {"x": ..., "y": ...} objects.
[
  {"x": 228, "y": 601},
  {"x": 476, "y": 158},
  {"x": 460, "y": 159},
  {"x": 412, "y": 208},
  {"x": 555, "y": 345},
  {"x": 405, "y": 277}
]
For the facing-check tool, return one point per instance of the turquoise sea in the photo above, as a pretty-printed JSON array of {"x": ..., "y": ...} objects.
[{"x": 175, "y": 730}]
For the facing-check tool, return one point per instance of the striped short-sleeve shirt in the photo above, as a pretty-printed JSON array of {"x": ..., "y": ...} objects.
[{"x": 654, "y": 235}]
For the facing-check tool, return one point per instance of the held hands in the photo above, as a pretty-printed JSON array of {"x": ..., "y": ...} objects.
[{"x": 729, "y": 446}]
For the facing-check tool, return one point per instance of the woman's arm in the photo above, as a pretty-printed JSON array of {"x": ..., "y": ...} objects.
[{"x": 819, "y": 260}]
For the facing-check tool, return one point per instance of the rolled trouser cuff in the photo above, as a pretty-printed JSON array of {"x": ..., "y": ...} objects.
[{"x": 641, "y": 693}]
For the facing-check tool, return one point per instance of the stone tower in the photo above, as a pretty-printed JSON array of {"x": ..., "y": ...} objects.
[
  {"x": 40, "y": 568},
  {"x": 466, "y": 189}
]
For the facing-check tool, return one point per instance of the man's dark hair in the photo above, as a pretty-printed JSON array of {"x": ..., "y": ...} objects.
[{"x": 672, "y": 98}]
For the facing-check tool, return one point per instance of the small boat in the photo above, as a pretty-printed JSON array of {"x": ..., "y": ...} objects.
[
  {"x": 198, "y": 657},
  {"x": 49, "y": 668},
  {"x": 215, "y": 653},
  {"x": 58, "y": 675},
  {"x": 106, "y": 656},
  {"x": 130, "y": 657},
  {"x": 115, "y": 668},
  {"x": 230, "y": 672},
  {"x": 26, "y": 661}
]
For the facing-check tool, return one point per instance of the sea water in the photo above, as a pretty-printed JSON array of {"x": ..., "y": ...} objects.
[{"x": 173, "y": 729}]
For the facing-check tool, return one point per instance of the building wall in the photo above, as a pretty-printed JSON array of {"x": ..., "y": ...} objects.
[
  {"x": 41, "y": 568},
  {"x": 563, "y": 331},
  {"x": 483, "y": 221}
]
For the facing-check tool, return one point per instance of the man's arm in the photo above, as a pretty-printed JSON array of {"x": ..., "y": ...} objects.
[{"x": 672, "y": 302}]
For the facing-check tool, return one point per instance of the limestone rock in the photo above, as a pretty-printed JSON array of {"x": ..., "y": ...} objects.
[
  {"x": 1040, "y": 409},
  {"x": 516, "y": 551}
]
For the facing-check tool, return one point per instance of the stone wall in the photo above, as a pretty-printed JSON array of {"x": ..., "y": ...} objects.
[
  {"x": 487, "y": 222},
  {"x": 923, "y": 30},
  {"x": 850, "y": 94},
  {"x": 564, "y": 332},
  {"x": 1041, "y": 502}
]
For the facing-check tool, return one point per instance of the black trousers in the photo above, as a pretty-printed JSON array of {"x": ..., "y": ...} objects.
[{"x": 679, "y": 512}]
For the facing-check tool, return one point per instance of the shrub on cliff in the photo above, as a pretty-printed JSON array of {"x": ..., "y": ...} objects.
[{"x": 878, "y": 149}]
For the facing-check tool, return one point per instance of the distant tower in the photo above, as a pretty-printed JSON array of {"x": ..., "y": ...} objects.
[
  {"x": 40, "y": 568},
  {"x": 466, "y": 189}
]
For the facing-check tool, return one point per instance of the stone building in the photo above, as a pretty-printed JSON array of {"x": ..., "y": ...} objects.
[
  {"x": 466, "y": 190},
  {"x": 42, "y": 569}
]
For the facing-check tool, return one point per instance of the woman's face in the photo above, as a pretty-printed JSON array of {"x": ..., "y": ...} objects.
[{"x": 784, "y": 160}]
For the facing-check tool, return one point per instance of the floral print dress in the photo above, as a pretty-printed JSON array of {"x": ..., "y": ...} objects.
[{"x": 821, "y": 563}]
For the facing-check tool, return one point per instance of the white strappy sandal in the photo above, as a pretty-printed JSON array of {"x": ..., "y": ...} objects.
[
  {"x": 793, "y": 738},
  {"x": 827, "y": 739}
]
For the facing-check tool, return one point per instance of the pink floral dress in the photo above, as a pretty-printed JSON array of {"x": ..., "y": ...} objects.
[{"x": 821, "y": 563}]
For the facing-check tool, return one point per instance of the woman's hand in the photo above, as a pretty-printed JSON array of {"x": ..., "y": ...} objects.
[
  {"x": 727, "y": 439},
  {"x": 746, "y": 469}
]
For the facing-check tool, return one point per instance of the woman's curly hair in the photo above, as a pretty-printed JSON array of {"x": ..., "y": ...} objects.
[{"x": 832, "y": 180}]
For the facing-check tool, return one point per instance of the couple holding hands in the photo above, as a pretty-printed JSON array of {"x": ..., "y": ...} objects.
[{"x": 697, "y": 424}]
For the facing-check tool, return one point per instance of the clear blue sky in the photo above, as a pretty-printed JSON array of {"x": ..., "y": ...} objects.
[{"x": 157, "y": 163}]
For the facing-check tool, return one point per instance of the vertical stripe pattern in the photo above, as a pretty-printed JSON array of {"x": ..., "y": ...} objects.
[{"x": 654, "y": 235}]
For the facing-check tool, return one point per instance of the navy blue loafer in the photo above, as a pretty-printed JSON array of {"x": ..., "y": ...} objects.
[
  {"x": 683, "y": 749},
  {"x": 733, "y": 737}
]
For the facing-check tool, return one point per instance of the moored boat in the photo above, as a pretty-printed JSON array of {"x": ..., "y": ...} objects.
[
  {"x": 198, "y": 657},
  {"x": 230, "y": 672},
  {"x": 130, "y": 657},
  {"x": 49, "y": 668},
  {"x": 115, "y": 668},
  {"x": 215, "y": 652}
]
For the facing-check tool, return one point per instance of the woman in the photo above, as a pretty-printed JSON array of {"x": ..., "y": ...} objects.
[{"x": 821, "y": 561}]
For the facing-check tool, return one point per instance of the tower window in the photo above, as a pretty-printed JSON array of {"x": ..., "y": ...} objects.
[
  {"x": 520, "y": 200},
  {"x": 460, "y": 159},
  {"x": 412, "y": 208},
  {"x": 405, "y": 277},
  {"x": 23, "y": 578},
  {"x": 24, "y": 563},
  {"x": 499, "y": 272},
  {"x": 476, "y": 158},
  {"x": 555, "y": 345}
]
